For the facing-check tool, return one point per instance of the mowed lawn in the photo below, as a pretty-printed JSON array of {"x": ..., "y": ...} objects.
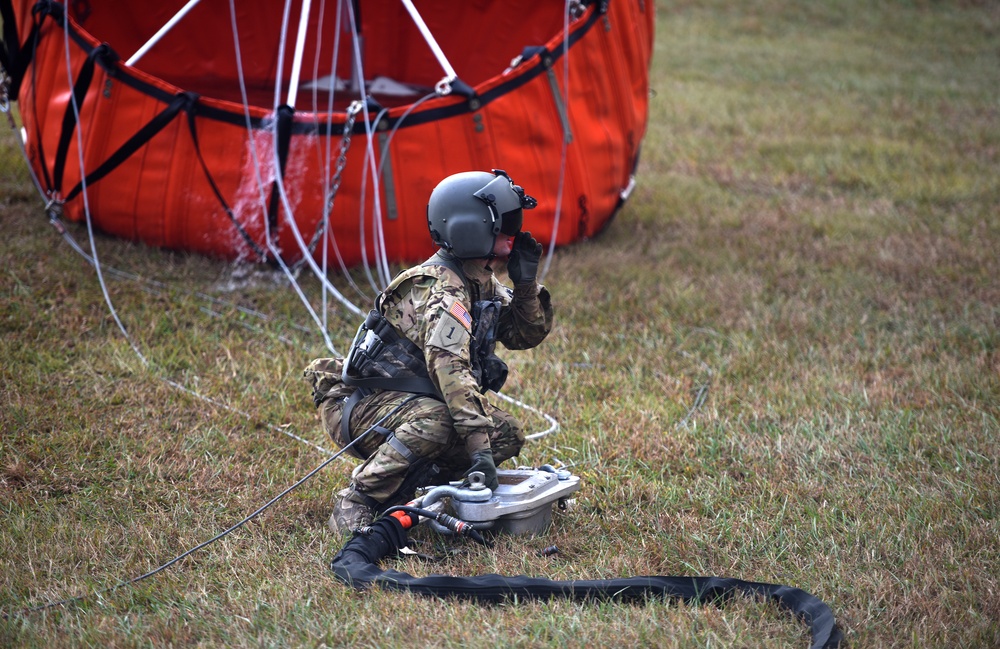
[{"x": 779, "y": 363}]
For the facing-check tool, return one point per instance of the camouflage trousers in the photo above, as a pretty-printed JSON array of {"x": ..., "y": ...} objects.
[{"x": 422, "y": 434}]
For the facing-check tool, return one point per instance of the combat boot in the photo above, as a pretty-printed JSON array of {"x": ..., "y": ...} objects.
[{"x": 352, "y": 512}]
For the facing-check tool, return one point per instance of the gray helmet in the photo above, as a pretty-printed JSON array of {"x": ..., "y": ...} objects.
[{"x": 467, "y": 210}]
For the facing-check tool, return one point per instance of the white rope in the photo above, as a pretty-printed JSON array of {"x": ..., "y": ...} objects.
[
  {"x": 553, "y": 423},
  {"x": 444, "y": 86},
  {"x": 162, "y": 32},
  {"x": 300, "y": 44},
  {"x": 263, "y": 199},
  {"x": 564, "y": 152},
  {"x": 94, "y": 260},
  {"x": 357, "y": 71},
  {"x": 370, "y": 166},
  {"x": 246, "y": 415},
  {"x": 283, "y": 195},
  {"x": 260, "y": 181},
  {"x": 83, "y": 194}
]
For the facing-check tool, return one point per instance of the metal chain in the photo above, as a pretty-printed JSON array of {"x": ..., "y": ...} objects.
[{"x": 345, "y": 144}]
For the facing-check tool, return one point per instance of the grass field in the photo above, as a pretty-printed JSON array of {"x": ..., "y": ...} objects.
[{"x": 812, "y": 248}]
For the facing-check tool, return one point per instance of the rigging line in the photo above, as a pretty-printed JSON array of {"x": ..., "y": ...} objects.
[
  {"x": 162, "y": 287},
  {"x": 86, "y": 203},
  {"x": 93, "y": 257},
  {"x": 395, "y": 127},
  {"x": 114, "y": 272},
  {"x": 282, "y": 42},
  {"x": 300, "y": 45},
  {"x": 24, "y": 152},
  {"x": 226, "y": 532},
  {"x": 336, "y": 181},
  {"x": 701, "y": 395},
  {"x": 553, "y": 422},
  {"x": 324, "y": 151},
  {"x": 310, "y": 261},
  {"x": 162, "y": 32},
  {"x": 246, "y": 415},
  {"x": 329, "y": 238},
  {"x": 323, "y": 162},
  {"x": 450, "y": 74},
  {"x": 564, "y": 150},
  {"x": 369, "y": 166},
  {"x": 263, "y": 201},
  {"x": 384, "y": 157},
  {"x": 314, "y": 94},
  {"x": 388, "y": 140},
  {"x": 358, "y": 72},
  {"x": 289, "y": 212},
  {"x": 327, "y": 149}
]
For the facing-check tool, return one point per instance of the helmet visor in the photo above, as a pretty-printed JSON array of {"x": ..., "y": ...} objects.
[
  {"x": 507, "y": 201},
  {"x": 510, "y": 222}
]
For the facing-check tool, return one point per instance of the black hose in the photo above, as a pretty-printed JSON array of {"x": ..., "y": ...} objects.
[{"x": 357, "y": 566}]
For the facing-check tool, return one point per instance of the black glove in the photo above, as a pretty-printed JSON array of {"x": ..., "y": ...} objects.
[
  {"x": 522, "y": 265},
  {"x": 483, "y": 461}
]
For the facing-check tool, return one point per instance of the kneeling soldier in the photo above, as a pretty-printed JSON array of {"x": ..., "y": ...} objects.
[{"x": 422, "y": 361}]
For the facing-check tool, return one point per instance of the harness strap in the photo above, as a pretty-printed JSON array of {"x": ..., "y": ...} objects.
[
  {"x": 415, "y": 384},
  {"x": 14, "y": 57},
  {"x": 345, "y": 421},
  {"x": 283, "y": 136},
  {"x": 74, "y": 107},
  {"x": 390, "y": 437},
  {"x": 181, "y": 101},
  {"x": 386, "y": 333},
  {"x": 192, "y": 127}
]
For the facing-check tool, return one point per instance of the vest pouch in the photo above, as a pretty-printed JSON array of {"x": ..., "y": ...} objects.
[{"x": 494, "y": 373}]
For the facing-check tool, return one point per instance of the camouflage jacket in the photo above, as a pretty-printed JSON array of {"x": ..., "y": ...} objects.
[{"x": 431, "y": 305}]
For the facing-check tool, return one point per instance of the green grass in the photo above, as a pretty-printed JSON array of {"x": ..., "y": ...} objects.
[{"x": 814, "y": 240}]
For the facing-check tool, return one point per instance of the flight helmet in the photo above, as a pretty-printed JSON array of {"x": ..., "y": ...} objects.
[{"x": 467, "y": 211}]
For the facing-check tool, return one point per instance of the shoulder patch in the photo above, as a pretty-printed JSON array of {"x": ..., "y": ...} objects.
[
  {"x": 449, "y": 335},
  {"x": 460, "y": 313}
]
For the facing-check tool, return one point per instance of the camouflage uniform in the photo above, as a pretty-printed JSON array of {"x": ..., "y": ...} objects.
[{"x": 420, "y": 305}]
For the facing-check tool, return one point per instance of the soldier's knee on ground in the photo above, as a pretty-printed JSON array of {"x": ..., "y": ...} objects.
[{"x": 382, "y": 474}]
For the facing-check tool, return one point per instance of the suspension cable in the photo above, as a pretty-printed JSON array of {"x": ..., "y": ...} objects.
[
  {"x": 162, "y": 32},
  {"x": 258, "y": 174},
  {"x": 550, "y": 253},
  {"x": 300, "y": 45},
  {"x": 86, "y": 204},
  {"x": 444, "y": 86}
]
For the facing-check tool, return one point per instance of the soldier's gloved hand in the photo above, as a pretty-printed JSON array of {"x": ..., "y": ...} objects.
[
  {"x": 483, "y": 461},
  {"x": 522, "y": 265}
]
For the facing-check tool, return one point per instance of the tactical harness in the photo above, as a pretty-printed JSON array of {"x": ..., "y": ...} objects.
[{"x": 381, "y": 359}]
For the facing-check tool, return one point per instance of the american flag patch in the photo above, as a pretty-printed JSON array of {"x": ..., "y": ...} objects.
[{"x": 460, "y": 314}]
